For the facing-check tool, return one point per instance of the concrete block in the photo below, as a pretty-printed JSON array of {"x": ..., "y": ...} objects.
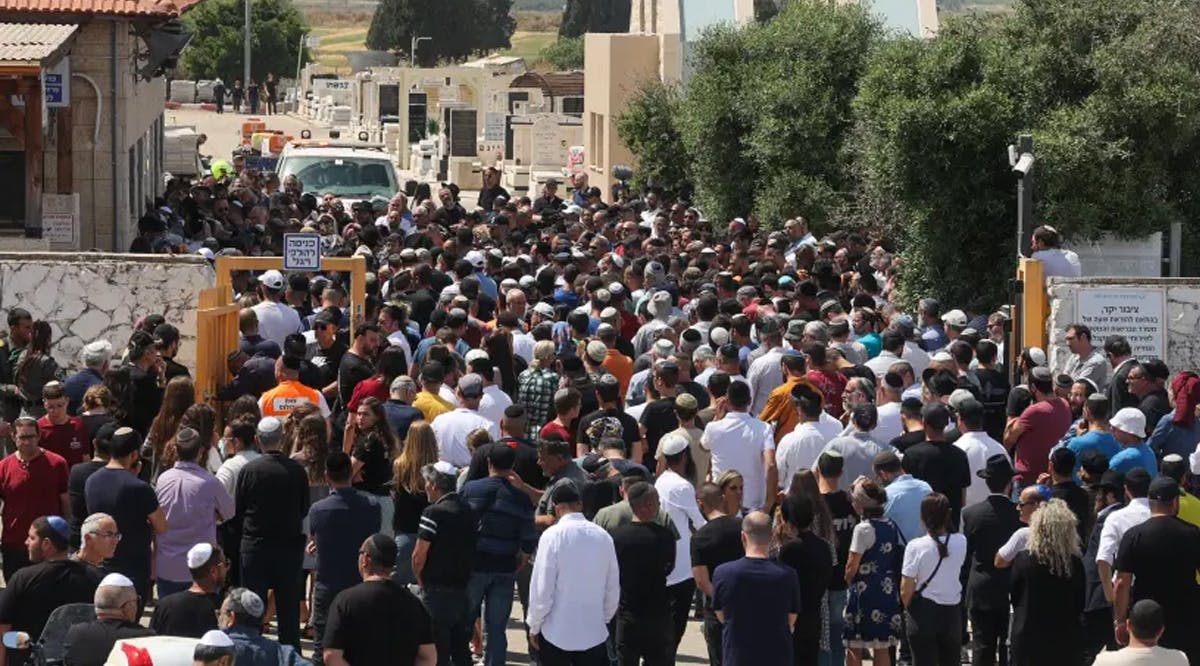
[
  {"x": 183, "y": 91},
  {"x": 204, "y": 91}
]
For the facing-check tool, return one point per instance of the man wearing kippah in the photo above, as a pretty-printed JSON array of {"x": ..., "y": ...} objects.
[
  {"x": 53, "y": 580},
  {"x": 89, "y": 643}
]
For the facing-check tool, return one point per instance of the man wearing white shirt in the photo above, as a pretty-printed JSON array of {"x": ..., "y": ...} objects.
[
  {"x": 276, "y": 320},
  {"x": 766, "y": 373},
  {"x": 892, "y": 342},
  {"x": 452, "y": 428},
  {"x": 977, "y": 445},
  {"x": 494, "y": 400},
  {"x": 743, "y": 443},
  {"x": 887, "y": 405},
  {"x": 800, "y": 448},
  {"x": 1135, "y": 512},
  {"x": 569, "y": 613},
  {"x": 392, "y": 322},
  {"x": 678, "y": 497}
]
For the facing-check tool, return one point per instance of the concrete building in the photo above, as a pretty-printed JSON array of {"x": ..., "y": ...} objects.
[
  {"x": 101, "y": 148},
  {"x": 658, "y": 46},
  {"x": 660, "y": 36}
]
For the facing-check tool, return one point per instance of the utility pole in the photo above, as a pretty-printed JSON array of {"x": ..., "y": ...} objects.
[
  {"x": 246, "y": 46},
  {"x": 412, "y": 51}
]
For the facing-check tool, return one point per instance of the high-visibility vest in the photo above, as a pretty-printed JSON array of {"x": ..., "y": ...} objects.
[{"x": 285, "y": 398}]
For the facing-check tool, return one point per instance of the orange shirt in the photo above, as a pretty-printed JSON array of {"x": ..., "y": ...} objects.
[
  {"x": 621, "y": 366},
  {"x": 781, "y": 409},
  {"x": 287, "y": 396}
]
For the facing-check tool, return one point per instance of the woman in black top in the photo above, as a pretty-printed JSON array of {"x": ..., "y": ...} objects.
[
  {"x": 374, "y": 446},
  {"x": 811, "y": 557},
  {"x": 408, "y": 493},
  {"x": 1047, "y": 591}
]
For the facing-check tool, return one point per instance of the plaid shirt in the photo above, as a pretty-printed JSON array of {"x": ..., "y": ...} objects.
[{"x": 535, "y": 392}]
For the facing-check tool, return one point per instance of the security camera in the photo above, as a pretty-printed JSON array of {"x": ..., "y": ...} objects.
[{"x": 1024, "y": 165}]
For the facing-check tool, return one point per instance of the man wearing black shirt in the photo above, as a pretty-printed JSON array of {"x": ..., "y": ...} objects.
[
  {"x": 378, "y": 621},
  {"x": 356, "y": 365},
  {"x": 79, "y": 475},
  {"x": 491, "y": 189},
  {"x": 1158, "y": 560},
  {"x": 937, "y": 462},
  {"x": 442, "y": 560},
  {"x": 659, "y": 417},
  {"x": 987, "y": 525},
  {"x": 337, "y": 524},
  {"x": 608, "y": 392},
  {"x": 645, "y": 555},
  {"x": 116, "y": 490},
  {"x": 192, "y": 612},
  {"x": 718, "y": 542},
  {"x": 166, "y": 338},
  {"x": 914, "y": 428},
  {"x": 145, "y": 369},
  {"x": 52, "y": 581},
  {"x": 1063, "y": 486},
  {"x": 829, "y": 473},
  {"x": 329, "y": 353},
  {"x": 1146, "y": 382},
  {"x": 272, "y": 499},
  {"x": 513, "y": 427},
  {"x": 88, "y": 643},
  {"x": 548, "y": 205}
]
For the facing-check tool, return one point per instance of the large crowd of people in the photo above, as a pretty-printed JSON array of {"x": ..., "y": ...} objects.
[{"x": 624, "y": 416}]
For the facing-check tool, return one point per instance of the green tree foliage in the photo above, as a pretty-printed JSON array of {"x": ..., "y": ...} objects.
[
  {"x": 769, "y": 111},
  {"x": 459, "y": 29},
  {"x": 216, "y": 49},
  {"x": 564, "y": 54},
  {"x": 1110, "y": 91},
  {"x": 582, "y": 16},
  {"x": 648, "y": 127}
]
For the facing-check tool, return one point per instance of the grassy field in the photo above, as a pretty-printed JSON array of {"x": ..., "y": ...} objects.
[{"x": 342, "y": 33}]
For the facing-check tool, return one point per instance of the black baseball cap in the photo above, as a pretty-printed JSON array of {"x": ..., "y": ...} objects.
[{"x": 1163, "y": 489}]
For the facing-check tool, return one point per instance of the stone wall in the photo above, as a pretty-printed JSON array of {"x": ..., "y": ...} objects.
[
  {"x": 1181, "y": 312},
  {"x": 87, "y": 297}
]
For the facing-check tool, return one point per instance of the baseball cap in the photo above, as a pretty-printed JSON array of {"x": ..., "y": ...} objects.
[
  {"x": 956, "y": 318},
  {"x": 1163, "y": 489},
  {"x": 470, "y": 385},
  {"x": 1130, "y": 420},
  {"x": 475, "y": 258},
  {"x": 272, "y": 280},
  {"x": 544, "y": 309}
]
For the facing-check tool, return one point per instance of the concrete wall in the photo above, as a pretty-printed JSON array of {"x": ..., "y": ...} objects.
[
  {"x": 87, "y": 297},
  {"x": 1181, "y": 312}
]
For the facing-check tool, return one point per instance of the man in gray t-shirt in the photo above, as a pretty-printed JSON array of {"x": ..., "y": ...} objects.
[{"x": 857, "y": 448}]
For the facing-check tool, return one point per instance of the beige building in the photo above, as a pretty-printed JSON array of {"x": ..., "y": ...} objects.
[
  {"x": 104, "y": 143},
  {"x": 661, "y": 33}
]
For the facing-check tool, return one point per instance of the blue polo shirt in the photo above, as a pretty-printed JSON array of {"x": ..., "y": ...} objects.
[
  {"x": 340, "y": 524},
  {"x": 903, "y": 507},
  {"x": 1130, "y": 457}
]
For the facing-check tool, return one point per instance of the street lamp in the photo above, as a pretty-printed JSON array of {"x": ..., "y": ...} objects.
[{"x": 412, "y": 51}]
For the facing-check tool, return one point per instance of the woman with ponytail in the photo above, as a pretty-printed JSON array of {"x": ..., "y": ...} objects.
[{"x": 930, "y": 588}]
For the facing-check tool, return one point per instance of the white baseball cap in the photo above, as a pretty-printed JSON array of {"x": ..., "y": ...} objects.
[{"x": 272, "y": 279}]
